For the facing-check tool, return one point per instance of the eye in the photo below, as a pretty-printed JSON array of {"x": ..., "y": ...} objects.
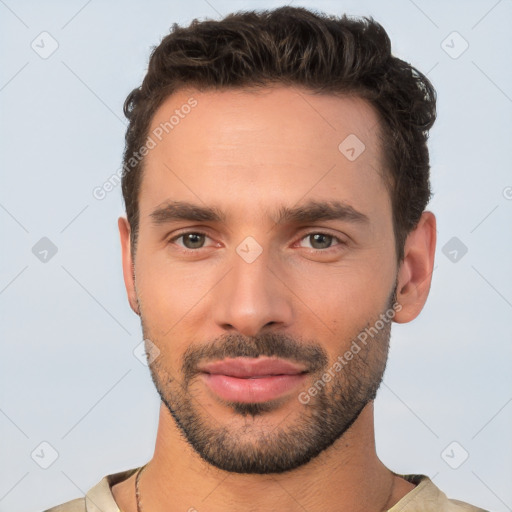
[
  {"x": 321, "y": 241},
  {"x": 191, "y": 239}
]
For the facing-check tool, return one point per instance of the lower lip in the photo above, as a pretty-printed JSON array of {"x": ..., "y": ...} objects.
[{"x": 254, "y": 390}]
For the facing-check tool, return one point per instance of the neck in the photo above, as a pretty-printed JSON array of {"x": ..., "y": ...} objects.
[{"x": 348, "y": 476}]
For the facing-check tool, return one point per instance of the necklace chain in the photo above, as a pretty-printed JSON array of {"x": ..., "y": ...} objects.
[{"x": 137, "y": 492}]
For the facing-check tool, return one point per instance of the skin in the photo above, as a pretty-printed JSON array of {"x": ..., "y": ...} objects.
[{"x": 248, "y": 154}]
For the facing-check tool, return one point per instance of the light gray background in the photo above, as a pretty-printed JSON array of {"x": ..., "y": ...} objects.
[{"x": 68, "y": 373}]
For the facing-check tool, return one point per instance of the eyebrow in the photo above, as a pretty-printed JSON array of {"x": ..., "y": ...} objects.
[
  {"x": 181, "y": 210},
  {"x": 312, "y": 211}
]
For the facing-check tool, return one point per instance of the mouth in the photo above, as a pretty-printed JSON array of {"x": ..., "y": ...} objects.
[{"x": 252, "y": 380}]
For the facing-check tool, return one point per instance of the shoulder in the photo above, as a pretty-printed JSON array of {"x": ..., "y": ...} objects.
[
  {"x": 427, "y": 497},
  {"x": 76, "y": 505},
  {"x": 98, "y": 498}
]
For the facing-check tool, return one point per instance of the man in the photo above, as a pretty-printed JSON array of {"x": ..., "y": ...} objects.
[{"x": 276, "y": 176}]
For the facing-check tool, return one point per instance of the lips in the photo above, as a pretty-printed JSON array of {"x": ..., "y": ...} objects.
[
  {"x": 250, "y": 380},
  {"x": 247, "y": 368}
]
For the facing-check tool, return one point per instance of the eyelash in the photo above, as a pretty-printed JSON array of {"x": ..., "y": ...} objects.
[{"x": 187, "y": 250}]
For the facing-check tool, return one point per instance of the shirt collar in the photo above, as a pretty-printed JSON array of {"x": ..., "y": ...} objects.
[{"x": 100, "y": 497}]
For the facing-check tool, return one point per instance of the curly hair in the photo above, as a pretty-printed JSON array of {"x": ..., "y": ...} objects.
[{"x": 294, "y": 46}]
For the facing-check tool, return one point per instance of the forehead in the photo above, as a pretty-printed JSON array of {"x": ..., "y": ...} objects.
[{"x": 240, "y": 144}]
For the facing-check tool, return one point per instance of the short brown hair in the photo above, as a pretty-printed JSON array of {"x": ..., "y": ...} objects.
[{"x": 296, "y": 47}]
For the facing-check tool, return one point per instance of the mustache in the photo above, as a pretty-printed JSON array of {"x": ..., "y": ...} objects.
[{"x": 232, "y": 345}]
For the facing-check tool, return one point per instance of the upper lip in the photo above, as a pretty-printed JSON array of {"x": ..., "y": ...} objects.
[{"x": 243, "y": 367}]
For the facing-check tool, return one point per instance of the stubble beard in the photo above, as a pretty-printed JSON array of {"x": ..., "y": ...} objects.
[{"x": 254, "y": 447}]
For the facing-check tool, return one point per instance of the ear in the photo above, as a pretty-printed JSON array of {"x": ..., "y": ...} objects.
[
  {"x": 415, "y": 272},
  {"x": 128, "y": 266}
]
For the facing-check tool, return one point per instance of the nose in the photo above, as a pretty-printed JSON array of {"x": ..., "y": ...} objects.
[{"x": 252, "y": 296}]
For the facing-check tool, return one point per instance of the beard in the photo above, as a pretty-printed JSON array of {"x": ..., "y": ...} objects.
[{"x": 316, "y": 425}]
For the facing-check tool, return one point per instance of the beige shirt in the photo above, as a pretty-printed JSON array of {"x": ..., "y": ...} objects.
[{"x": 425, "y": 497}]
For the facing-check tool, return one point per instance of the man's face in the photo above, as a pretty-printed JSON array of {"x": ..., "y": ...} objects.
[{"x": 254, "y": 284}]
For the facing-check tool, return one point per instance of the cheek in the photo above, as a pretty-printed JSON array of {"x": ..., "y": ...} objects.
[
  {"x": 345, "y": 296},
  {"x": 170, "y": 292}
]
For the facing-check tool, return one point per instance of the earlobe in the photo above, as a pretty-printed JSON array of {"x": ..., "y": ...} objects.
[
  {"x": 128, "y": 264},
  {"x": 415, "y": 272}
]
